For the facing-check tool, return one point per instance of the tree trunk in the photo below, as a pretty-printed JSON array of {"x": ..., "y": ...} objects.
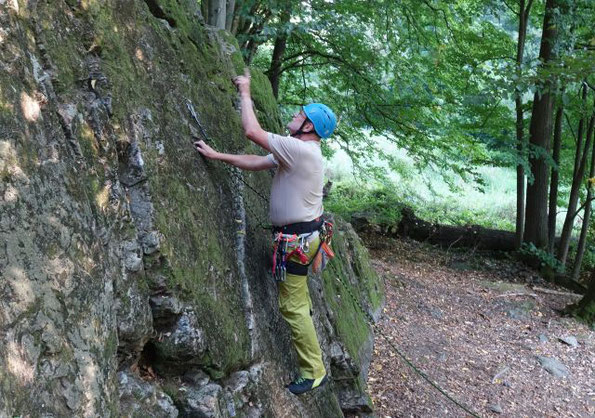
[
  {"x": 580, "y": 251},
  {"x": 275, "y": 69},
  {"x": 520, "y": 182},
  {"x": 553, "y": 210},
  {"x": 229, "y": 14},
  {"x": 582, "y": 242},
  {"x": 585, "y": 309},
  {"x": 235, "y": 24},
  {"x": 580, "y": 162},
  {"x": 278, "y": 51},
  {"x": 217, "y": 13},
  {"x": 447, "y": 236},
  {"x": 251, "y": 51},
  {"x": 539, "y": 136}
]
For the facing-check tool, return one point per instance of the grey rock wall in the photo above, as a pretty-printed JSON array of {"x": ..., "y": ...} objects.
[{"x": 133, "y": 272}]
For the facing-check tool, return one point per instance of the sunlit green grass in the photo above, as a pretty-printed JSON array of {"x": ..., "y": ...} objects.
[{"x": 433, "y": 198}]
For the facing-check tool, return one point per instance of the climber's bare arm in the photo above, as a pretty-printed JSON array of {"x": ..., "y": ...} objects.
[
  {"x": 252, "y": 128},
  {"x": 243, "y": 161}
]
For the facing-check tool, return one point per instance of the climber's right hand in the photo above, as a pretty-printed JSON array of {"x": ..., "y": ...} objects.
[{"x": 206, "y": 150}]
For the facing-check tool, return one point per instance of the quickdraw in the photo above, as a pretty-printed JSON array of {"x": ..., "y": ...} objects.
[
  {"x": 281, "y": 256},
  {"x": 321, "y": 258}
]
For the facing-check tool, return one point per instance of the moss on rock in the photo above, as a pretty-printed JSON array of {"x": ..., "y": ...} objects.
[{"x": 354, "y": 293}]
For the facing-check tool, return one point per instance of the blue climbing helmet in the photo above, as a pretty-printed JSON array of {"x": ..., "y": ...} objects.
[{"x": 322, "y": 117}]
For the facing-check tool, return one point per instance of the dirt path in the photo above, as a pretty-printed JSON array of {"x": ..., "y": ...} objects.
[{"x": 476, "y": 326}]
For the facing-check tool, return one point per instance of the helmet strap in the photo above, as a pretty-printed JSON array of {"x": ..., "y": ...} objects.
[{"x": 300, "y": 132}]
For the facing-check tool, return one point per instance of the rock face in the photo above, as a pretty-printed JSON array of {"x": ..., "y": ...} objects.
[
  {"x": 134, "y": 277},
  {"x": 553, "y": 366}
]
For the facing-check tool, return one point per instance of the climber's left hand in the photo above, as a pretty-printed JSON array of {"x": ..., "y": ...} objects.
[{"x": 242, "y": 82}]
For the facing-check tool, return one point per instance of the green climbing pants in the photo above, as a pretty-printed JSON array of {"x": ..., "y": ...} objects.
[{"x": 295, "y": 306}]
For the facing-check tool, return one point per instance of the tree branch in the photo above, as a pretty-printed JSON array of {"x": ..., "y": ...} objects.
[
  {"x": 444, "y": 17},
  {"x": 329, "y": 57},
  {"x": 570, "y": 127},
  {"x": 509, "y": 7},
  {"x": 528, "y": 8},
  {"x": 582, "y": 206},
  {"x": 300, "y": 64}
]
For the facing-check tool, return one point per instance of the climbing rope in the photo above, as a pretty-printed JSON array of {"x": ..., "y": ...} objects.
[
  {"x": 369, "y": 319},
  {"x": 229, "y": 170}
]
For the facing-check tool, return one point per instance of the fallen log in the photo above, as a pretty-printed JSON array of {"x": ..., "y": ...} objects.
[
  {"x": 555, "y": 292},
  {"x": 448, "y": 236},
  {"x": 470, "y": 236}
]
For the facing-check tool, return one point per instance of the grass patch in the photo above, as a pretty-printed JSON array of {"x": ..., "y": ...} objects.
[
  {"x": 438, "y": 197},
  {"x": 378, "y": 203}
]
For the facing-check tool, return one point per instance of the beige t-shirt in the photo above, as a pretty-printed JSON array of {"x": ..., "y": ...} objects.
[{"x": 296, "y": 193}]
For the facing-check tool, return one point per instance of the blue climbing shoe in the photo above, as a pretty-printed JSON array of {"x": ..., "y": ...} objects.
[{"x": 303, "y": 385}]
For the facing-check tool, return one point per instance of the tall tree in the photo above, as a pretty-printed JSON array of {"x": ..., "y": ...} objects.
[
  {"x": 580, "y": 162},
  {"x": 553, "y": 207},
  {"x": 523, "y": 15},
  {"x": 230, "y": 14},
  {"x": 274, "y": 72},
  {"x": 539, "y": 136},
  {"x": 582, "y": 242}
]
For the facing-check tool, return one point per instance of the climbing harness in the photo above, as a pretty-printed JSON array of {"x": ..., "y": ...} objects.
[
  {"x": 281, "y": 261},
  {"x": 297, "y": 246},
  {"x": 285, "y": 247}
]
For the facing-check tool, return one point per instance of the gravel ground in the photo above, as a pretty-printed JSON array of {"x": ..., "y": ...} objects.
[{"x": 478, "y": 327}]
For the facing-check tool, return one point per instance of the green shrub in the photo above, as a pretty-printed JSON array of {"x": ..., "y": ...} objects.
[
  {"x": 545, "y": 258},
  {"x": 435, "y": 195},
  {"x": 380, "y": 204}
]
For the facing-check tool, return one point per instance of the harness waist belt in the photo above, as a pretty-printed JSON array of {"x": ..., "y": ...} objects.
[
  {"x": 300, "y": 227},
  {"x": 297, "y": 268}
]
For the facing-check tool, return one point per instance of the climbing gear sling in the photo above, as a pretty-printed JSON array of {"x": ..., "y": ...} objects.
[{"x": 292, "y": 242}]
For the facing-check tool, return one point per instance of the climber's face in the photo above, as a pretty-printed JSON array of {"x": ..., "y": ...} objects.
[{"x": 297, "y": 121}]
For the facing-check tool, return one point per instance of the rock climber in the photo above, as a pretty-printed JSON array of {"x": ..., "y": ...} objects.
[{"x": 295, "y": 213}]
